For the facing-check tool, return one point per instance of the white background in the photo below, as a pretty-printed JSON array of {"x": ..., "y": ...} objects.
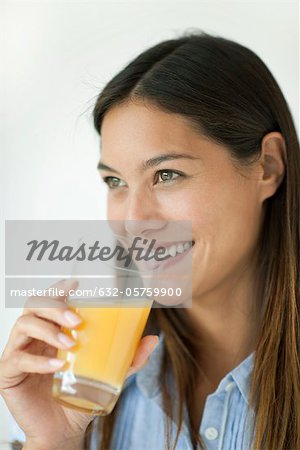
[{"x": 56, "y": 57}]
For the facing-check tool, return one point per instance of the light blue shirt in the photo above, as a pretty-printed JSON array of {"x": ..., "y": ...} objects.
[{"x": 140, "y": 423}]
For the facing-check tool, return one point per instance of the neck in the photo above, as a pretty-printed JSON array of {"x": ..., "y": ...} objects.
[{"x": 226, "y": 323}]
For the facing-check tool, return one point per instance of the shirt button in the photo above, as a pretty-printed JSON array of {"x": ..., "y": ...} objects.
[{"x": 211, "y": 433}]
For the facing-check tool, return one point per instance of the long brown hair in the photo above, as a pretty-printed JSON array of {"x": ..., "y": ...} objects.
[{"x": 226, "y": 91}]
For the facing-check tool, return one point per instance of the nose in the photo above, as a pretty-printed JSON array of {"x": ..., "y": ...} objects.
[{"x": 143, "y": 215}]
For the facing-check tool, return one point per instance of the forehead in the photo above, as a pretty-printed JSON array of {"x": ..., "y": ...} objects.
[{"x": 134, "y": 128}]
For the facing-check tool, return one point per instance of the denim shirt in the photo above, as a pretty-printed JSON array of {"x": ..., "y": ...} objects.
[{"x": 226, "y": 420}]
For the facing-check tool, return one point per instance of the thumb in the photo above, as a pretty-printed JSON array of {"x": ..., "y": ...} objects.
[{"x": 146, "y": 346}]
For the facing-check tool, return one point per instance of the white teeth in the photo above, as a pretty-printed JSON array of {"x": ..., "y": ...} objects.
[
  {"x": 172, "y": 250},
  {"x": 180, "y": 248},
  {"x": 186, "y": 245}
]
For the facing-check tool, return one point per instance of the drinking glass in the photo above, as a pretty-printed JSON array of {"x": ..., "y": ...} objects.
[{"x": 106, "y": 340}]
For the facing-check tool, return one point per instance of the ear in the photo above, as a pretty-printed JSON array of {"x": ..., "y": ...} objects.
[{"x": 272, "y": 163}]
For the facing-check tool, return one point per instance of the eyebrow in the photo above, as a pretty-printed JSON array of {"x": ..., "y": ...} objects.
[{"x": 152, "y": 162}]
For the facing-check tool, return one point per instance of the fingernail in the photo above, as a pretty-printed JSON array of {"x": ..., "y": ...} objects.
[
  {"x": 56, "y": 363},
  {"x": 72, "y": 318},
  {"x": 66, "y": 340}
]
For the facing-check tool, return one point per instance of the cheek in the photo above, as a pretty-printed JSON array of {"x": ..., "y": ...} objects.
[
  {"x": 113, "y": 211},
  {"x": 223, "y": 209},
  {"x": 226, "y": 228}
]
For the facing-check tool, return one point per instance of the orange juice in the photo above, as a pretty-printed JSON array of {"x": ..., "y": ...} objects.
[{"x": 97, "y": 365}]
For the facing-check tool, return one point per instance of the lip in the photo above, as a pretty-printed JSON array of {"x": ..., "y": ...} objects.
[
  {"x": 169, "y": 244},
  {"x": 153, "y": 265},
  {"x": 175, "y": 259},
  {"x": 165, "y": 244}
]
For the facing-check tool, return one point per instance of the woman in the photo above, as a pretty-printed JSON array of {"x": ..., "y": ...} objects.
[{"x": 223, "y": 151}]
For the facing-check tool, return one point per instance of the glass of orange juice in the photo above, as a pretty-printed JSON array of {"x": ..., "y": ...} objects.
[
  {"x": 106, "y": 340},
  {"x": 96, "y": 367}
]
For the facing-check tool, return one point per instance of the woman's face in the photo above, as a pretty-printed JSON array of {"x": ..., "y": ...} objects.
[{"x": 203, "y": 186}]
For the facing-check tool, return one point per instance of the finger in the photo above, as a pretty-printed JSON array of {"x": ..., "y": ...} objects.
[
  {"x": 29, "y": 327},
  {"x": 53, "y": 308},
  {"x": 29, "y": 363},
  {"x": 144, "y": 350},
  {"x": 13, "y": 368}
]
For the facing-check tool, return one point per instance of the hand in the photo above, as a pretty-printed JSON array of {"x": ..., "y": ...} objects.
[{"x": 27, "y": 366}]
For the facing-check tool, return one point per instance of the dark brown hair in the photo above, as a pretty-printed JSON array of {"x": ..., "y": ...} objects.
[{"x": 227, "y": 93}]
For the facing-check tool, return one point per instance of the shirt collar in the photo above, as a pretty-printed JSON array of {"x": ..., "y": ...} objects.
[{"x": 242, "y": 375}]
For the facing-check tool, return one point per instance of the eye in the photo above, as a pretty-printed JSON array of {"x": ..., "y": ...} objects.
[
  {"x": 167, "y": 175},
  {"x": 113, "y": 182},
  {"x": 161, "y": 176}
]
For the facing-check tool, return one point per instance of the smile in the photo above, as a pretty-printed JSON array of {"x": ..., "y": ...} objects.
[{"x": 172, "y": 250}]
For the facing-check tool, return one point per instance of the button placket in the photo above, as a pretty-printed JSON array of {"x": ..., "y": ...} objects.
[
  {"x": 213, "y": 425},
  {"x": 211, "y": 421},
  {"x": 228, "y": 390}
]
